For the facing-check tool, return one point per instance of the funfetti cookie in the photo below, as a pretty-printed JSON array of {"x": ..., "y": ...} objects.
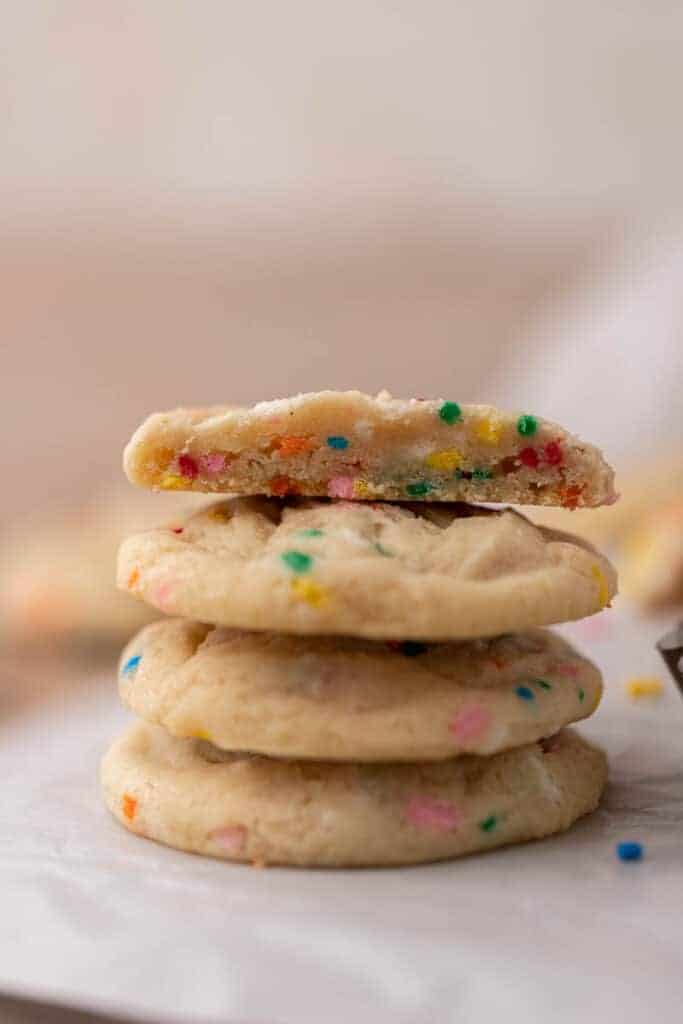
[
  {"x": 365, "y": 569},
  {"x": 353, "y": 446},
  {"x": 189, "y": 794},
  {"x": 354, "y": 700}
]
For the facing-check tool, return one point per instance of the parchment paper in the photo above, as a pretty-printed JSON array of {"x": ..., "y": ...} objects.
[{"x": 553, "y": 931}]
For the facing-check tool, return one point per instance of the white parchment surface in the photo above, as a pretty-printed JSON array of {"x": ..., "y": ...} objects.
[{"x": 556, "y": 931}]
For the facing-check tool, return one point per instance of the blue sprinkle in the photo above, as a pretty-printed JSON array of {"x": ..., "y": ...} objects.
[
  {"x": 131, "y": 665},
  {"x": 338, "y": 442},
  {"x": 524, "y": 693},
  {"x": 630, "y": 851}
]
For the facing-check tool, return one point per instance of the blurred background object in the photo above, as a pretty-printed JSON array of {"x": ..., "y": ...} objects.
[
  {"x": 56, "y": 571},
  {"x": 228, "y": 202}
]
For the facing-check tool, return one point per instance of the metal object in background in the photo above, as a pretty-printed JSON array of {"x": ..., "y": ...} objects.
[{"x": 671, "y": 649}]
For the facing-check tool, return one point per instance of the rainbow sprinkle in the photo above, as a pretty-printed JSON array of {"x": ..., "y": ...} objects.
[
  {"x": 340, "y": 487},
  {"x": 529, "y": 457},
  {"x": 645, "y": 686},
  {"x": 553, "y": 453},
  {"x": 488, "y": 824},
  {"x": 338, "y": 442},
  {"x": 603, "y": 590},
  {"x": 172, "y": 482},
  {"x": 446, "y": 461},
  {"x": 524, "y": 693},
  {"x": 630, "y": 850},
  {"x": 187, "y": 467},
  {"x": 130, "y": 668},
  {"x": 311, "y": 533},
  {"x": 361, "y": 489},
  {"x": 419, "y": 489},
  {"x": 432, "y": 814},
  {"x": 129, "y": 806},
  {"x": 310, "y": 592},
  {"x": 450, "y": 412},
  {"x": 489, "y": 431},
  {"x": 527, "y": 425},
  {"x": 297, "y": 561}
]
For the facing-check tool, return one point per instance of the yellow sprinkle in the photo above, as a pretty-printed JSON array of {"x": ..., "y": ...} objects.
[
  {"x": 603, "y": 589},
  {"x": 200, "y": 734},
  {"x": 446, "y": 461},
  {"x": 307, "y": 590},
  {"x": 361, "y": 489},
  {"x": 646, "y": 686},
  {"x": 221, "y": 513},
  {"x": 171, "y": 482},
  {"x": 489, "y": 431}
]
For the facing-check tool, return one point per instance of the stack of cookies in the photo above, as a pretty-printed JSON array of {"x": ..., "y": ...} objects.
[{"x": 356, "y": 673}]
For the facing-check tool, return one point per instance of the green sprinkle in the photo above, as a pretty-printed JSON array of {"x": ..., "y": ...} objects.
[
  {"x": 297, "y": 561},
  {"x": 450, "y": 412},
  {"x": 482, "y": 474},
  {"x": 488, "y": 824},
  {"x": 527, "y": 425},
  {"x": 543, "y": 684},
  {"x": 582, "y": 694},
  {"x": 383, "y": 551},
  {"x": 419, "y": 489},
  {"x": 311, "y": 533}
]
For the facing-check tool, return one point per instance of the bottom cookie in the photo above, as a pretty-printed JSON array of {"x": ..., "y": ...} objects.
[{"x": 189, "y": 794}]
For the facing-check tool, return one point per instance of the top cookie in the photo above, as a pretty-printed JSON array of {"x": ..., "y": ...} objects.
[{"x": 351, "y": 445}]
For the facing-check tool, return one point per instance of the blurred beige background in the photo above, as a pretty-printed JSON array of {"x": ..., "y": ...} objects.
[{"x": 226, "y": 201}]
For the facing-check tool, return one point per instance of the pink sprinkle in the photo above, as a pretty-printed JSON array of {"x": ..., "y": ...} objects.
[
  {"x": 550, "y": 744},
  {"x": 470, "y": 723},
  {"x": 232, "y": 838},
  {"x": 212, "y": 464},
  {"x": 187, "y": 466},
  {"x": 613, "y": 500},
  {"x": 428, "y": 813},
  {"x": 162, "y": 597},
  {"x": 567, "y": 669},
  {"x": 340, "y": 487},
  {"x": 177, "y": 529}
]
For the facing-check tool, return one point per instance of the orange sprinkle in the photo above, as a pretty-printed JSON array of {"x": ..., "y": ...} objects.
[
  {"x": 282, "y": 485},
  {"x": 130, "y": 806},
  {"x": 292, "y": 445},
  {"x": 133, "y": 578},
  {"x": 569, "y": 496}
]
